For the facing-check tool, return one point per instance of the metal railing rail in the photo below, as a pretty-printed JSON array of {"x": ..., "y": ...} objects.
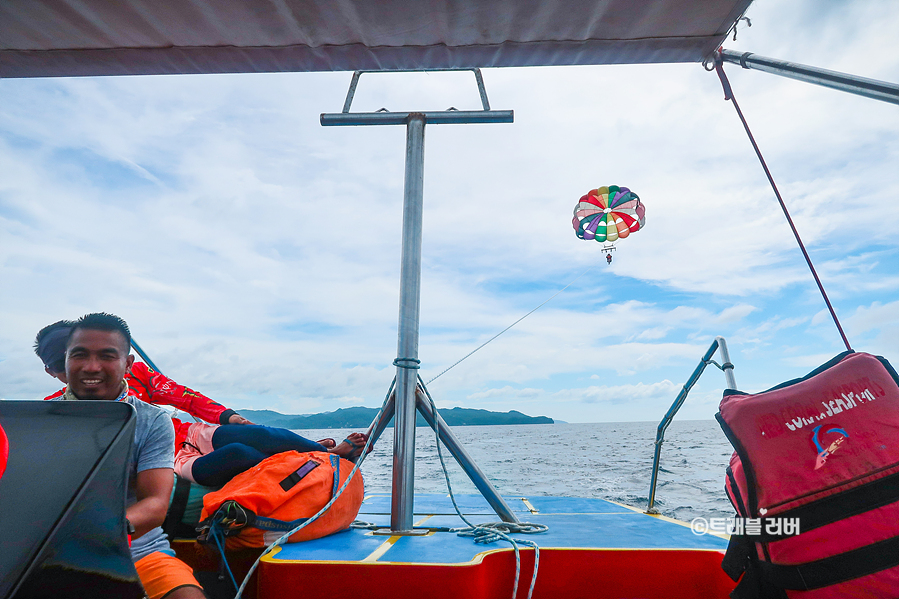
[
  {"x": 144, "y": 356},
  {"x": 727, "y": 367},
  {"x": 853, "y": 84}
]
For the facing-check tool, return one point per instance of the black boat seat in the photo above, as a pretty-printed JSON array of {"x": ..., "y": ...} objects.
[{"x": 62, "y": 500}]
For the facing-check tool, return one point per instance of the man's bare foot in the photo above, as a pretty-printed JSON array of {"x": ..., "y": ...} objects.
[
  {"x": 351, "y": 447},
  {"x": 328, "y": 443}
]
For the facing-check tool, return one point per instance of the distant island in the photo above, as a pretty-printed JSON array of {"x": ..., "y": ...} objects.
[{"x": 360, "y": 417}]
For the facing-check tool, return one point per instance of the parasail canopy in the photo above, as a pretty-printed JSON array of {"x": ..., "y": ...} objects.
[
  {"x": 58, "y": 38},
  {"x": 608, "y": 214}
]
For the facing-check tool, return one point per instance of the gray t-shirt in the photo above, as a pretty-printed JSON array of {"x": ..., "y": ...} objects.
[{"x": 154, "y": 447}]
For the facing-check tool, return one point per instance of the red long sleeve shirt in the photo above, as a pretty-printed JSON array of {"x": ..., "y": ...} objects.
[{"x": 156, "y": 388}]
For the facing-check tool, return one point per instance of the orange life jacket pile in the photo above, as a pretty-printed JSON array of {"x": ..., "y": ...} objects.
[{"x": 258, "y": 506}]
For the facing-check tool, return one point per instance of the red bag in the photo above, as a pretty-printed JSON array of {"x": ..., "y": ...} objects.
[
  {"x": 816, "y": 475},
  {"x": 4, "y": 450},
  {"x": 258, "y": 506}
]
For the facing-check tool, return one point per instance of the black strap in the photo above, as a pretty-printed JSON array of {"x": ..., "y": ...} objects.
[
  {"x": 737, "y": 557},
  {"x": 173, "y": 525},
  {"x": 753, "y": 586},
  {"x": 741, "y": 560},
  {"x": 834, "y": 569},
  {"x": 751, "y": 499},
  {"x": 735, "y": 498},
  {"x": 294, "y": 477},
  {"x": 832, "y": 508}
]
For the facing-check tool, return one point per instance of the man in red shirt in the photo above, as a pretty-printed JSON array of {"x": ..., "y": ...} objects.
[{"x": 208, "y": 454}]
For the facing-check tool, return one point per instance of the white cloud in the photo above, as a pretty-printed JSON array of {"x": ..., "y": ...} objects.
[
  {"x": 620, "y": 393},
  {"x": 256, "y": 254}
]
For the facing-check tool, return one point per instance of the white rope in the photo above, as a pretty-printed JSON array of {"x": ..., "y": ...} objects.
[
  {"x": 512, "y": 325},
  {"x": 283, "y": 538},
  {"x": 493, "y": 531}
]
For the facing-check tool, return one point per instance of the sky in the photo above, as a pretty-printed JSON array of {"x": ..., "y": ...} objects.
[{"x": 256, "y": 254}]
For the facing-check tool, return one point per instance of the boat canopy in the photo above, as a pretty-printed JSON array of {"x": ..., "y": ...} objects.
[{"x": 64, "y": 38}]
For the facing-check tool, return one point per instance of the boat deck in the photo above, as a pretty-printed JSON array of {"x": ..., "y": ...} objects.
[{"x": 593, "y": 548}]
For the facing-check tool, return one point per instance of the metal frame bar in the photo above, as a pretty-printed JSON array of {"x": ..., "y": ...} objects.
[
  {"x": 444, "y": 117},
  {"x": 465, "y": 461},
  {"x": 468, "y": 465},
  {"x": 144, "y": 356},
  {"x": 354, "y": 83},
  {"x": 861, "y": 86},
  {"x": 455, "y": 447},
  {"x": 725, "y": 366},
  {"x": 389, "y": 411},
  {"x": 150, "y": 363},
  {"x": 407, "y": 342},
  {"x": 403, "y": 402}
]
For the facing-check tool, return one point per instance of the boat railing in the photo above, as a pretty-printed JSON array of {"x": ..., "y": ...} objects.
[{"x": 727, "y": 367}]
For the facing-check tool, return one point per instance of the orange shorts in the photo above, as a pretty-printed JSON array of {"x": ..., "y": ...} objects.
[{"x": 161, "y": 574}]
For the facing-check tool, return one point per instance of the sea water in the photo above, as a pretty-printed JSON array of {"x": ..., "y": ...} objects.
[{"x": 605, "y": 460}]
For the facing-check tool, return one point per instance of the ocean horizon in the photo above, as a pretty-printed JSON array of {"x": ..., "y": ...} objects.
[{"x": 606, "y": 460}]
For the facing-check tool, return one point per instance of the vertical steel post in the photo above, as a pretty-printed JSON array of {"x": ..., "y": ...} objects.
[
  {"x": 726, "y": 365},
  {"x": 407, "y": 344}
]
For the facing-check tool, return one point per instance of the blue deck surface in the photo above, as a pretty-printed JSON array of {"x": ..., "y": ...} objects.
[{"x": 573, "y": 523}]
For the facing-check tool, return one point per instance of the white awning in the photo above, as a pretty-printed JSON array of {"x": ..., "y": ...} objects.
[{"x": 50, "y": 38}]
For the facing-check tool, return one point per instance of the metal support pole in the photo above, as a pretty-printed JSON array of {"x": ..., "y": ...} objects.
[
  {"x": 407, "y": 344},
  {"x": 485, "y": 103},
  {"x": 728, "y": 369},
  {"x": 401, "y": 404},
  {"x": 477, "y": 476},
  {"x": 144, "y": 356},
  {"x": 860, "y": 86},
  {"x": 374, "y": 433},
  {"x": 726, "y": 365}
]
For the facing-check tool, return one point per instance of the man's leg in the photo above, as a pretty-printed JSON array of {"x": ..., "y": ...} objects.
[
  {"x": 164, "y": 576},
  {"x": 216, "y": 468},
  {"x": 266, "y": 439}
]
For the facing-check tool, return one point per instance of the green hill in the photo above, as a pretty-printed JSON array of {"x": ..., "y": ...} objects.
[{"x": 360, "y": 418}]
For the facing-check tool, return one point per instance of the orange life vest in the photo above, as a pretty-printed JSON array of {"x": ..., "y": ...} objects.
[{"x": 258, "y": 506}]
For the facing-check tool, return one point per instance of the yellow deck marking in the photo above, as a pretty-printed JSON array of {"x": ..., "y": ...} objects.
[
  {"x": 479, "y": 557},
  {"x": 381, "y": 550},
  {"x": 386, "y": 545},
  {"x": 422, "y": 521},
  {"x": 530, "y": 507},
  {"x": 667, "y": 519}
]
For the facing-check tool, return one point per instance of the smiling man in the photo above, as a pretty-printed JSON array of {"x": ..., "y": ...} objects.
[{"x": 97, "y": 357}]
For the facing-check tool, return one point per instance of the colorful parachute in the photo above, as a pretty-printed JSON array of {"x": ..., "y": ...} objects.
[{"x": 608, "y": 214}]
